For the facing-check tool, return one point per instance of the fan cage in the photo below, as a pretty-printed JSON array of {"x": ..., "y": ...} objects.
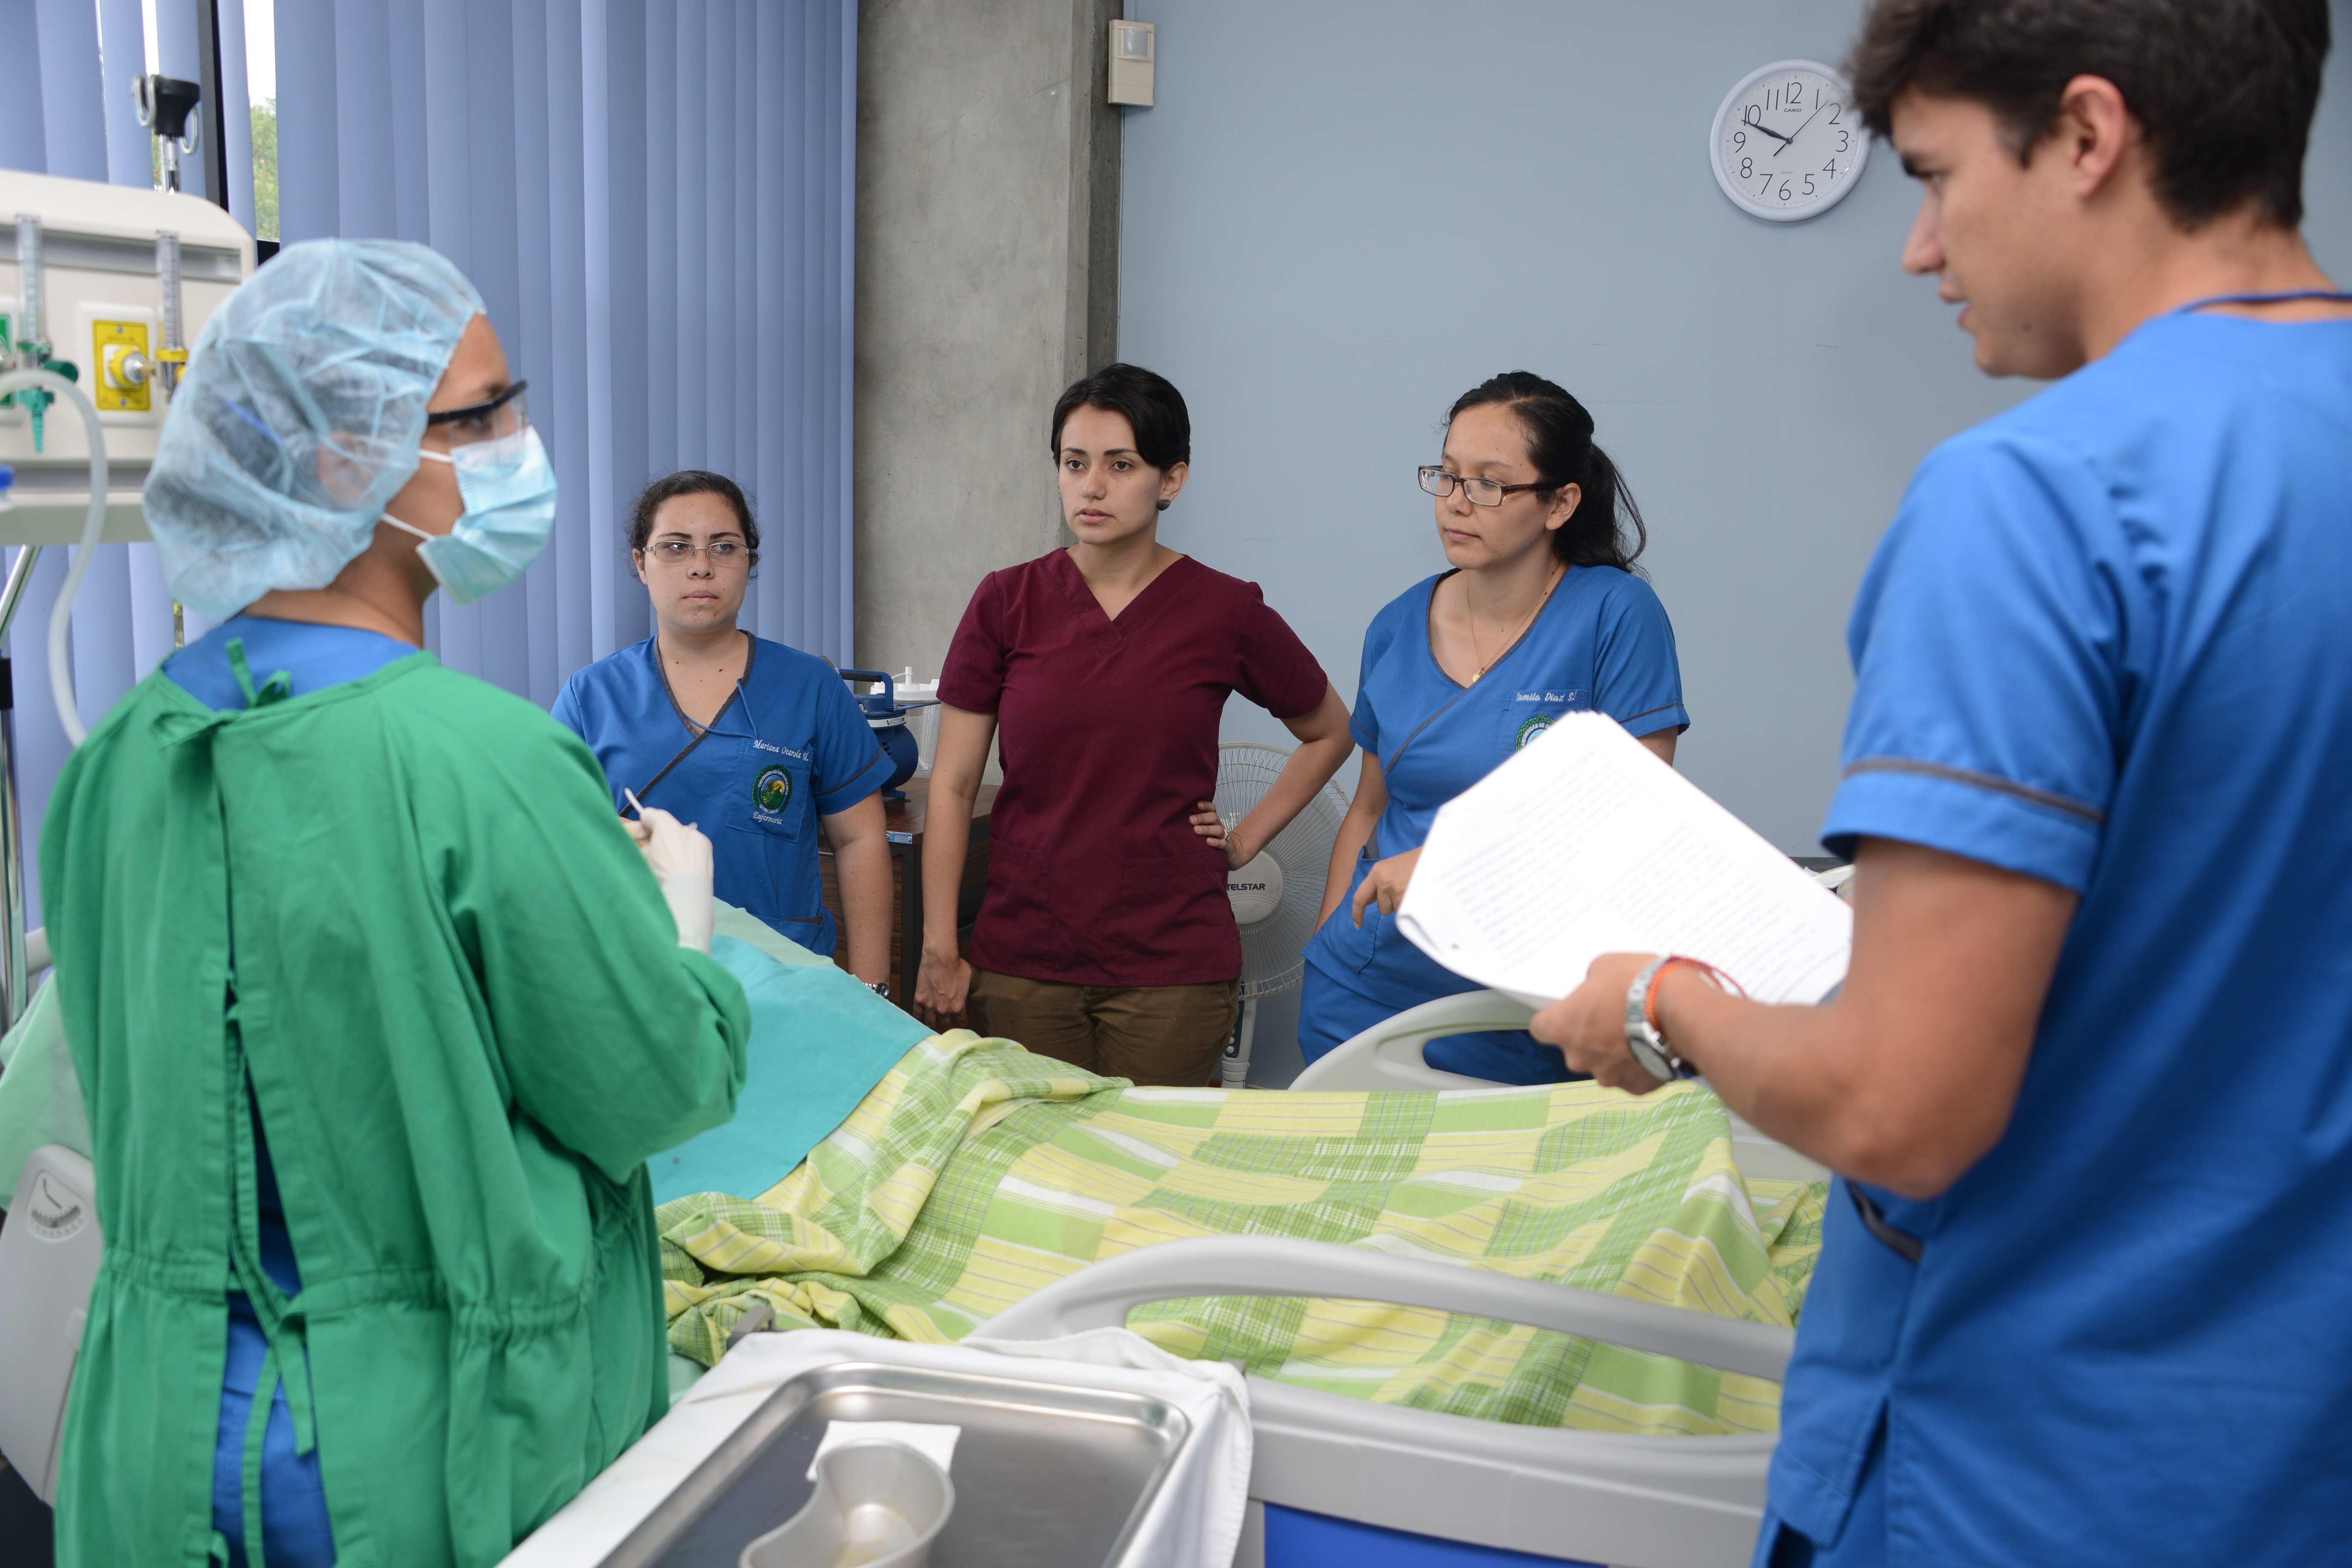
[{"x": 1274, "y": 950}]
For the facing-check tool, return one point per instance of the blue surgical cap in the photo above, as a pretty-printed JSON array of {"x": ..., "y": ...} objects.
[{"x": 299, "y": 417}]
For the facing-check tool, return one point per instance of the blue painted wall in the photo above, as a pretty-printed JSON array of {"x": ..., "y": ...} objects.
[{"x": 1337, "y": 217}]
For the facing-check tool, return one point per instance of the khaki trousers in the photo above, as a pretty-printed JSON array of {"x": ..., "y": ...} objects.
[{"x": 1172, "y": 1035}]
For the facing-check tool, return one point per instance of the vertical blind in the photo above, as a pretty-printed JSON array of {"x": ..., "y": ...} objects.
[{"x": 654, "y": 199}]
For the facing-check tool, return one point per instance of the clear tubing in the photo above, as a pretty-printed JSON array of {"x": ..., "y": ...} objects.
[{"x": 61, "y": 618}]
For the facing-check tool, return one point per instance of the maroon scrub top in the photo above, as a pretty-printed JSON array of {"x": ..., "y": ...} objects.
[{"x": 1108, "y": 734}]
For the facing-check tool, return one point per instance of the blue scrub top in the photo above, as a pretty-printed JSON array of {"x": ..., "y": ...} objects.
[
  {"x": 2107, "y": 643},
  {"x": 310, "y": 657},
  {"x": 1602, "y": 644},
  {"x": 791, "y": 747}
]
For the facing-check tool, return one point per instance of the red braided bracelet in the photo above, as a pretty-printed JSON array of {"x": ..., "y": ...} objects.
[{"x": 1721, "y": 982}]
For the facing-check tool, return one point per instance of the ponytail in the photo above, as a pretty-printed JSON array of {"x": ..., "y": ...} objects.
[{"x": 1606, "y": 528}]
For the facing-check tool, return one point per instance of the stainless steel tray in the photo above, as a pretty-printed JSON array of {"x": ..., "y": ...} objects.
[{"x": 1045, "y": 1476}]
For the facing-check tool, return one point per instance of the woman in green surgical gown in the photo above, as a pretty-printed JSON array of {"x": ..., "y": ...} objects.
[{"x": 377, "y": 1010}]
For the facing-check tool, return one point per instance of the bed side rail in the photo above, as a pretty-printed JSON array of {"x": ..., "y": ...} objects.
[
  {"x": 1103, "y": 1294},
  {"x": 50, "y": 1254},
  {"x": 1388, "y": 1056}
]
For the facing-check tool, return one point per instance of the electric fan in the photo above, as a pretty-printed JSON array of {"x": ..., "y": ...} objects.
[{"x": 1276, "y": 896}]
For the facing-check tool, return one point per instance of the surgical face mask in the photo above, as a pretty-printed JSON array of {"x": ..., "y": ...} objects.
[{"x": 509, "y": 495}]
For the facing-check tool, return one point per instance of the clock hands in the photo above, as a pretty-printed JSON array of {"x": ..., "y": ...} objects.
[
  {"x": 1788, "y": 141},
  {"x": 1770, "y": 103}
]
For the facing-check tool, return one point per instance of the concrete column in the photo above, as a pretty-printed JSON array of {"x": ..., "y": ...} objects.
[{"x": 987, "y": 281}]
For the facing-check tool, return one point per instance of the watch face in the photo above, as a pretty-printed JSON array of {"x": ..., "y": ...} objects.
[
  {"x": 1787, "y": 142},
  {"x": 1653, "y": 1061}
]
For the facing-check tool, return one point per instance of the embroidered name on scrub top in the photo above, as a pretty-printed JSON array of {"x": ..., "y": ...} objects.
[{"x": 1555, "y": 704}]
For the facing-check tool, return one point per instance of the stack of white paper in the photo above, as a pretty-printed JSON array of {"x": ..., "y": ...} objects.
[{"x": 1585, "y": 843}]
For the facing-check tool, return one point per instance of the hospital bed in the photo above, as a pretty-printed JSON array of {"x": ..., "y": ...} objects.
[
  {"x": 1339, "y": 1479},
  {"x": 1334, "y": 1480},
  {"x": 1333, "y": 1473}
]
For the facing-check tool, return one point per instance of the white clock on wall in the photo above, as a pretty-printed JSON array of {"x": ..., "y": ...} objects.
[{"x": 1787, "y": 142}]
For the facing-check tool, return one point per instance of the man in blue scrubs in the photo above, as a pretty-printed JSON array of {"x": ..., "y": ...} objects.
[{"x": 2085, "y": 1294}]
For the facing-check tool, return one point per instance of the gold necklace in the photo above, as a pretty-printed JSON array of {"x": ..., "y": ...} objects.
[{"x": 1513, "y": 640}]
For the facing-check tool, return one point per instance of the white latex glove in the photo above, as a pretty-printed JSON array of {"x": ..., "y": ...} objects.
[{"x": 680, "y": 859}]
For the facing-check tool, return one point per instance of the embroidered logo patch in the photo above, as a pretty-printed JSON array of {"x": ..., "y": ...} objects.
[
  {"x": 772, "y": 791},
  {"x": 1536, "y": 725}
]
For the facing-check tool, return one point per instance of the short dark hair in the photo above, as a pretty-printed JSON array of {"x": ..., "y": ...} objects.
[
  {"x": 1560, "y": 445},
  {"x": 1155, "y": 411},
  {"x": 692, "y": 482},
  {"x": 2224, "y": 90}
]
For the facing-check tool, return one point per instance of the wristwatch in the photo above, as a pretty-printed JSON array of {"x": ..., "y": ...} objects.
[
  {"x": 1641, "y": 1037},
  {"x": 880, "y": 988}
]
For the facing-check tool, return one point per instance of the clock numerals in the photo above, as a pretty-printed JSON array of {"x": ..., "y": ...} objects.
[{"x": 1786, "y": 146}]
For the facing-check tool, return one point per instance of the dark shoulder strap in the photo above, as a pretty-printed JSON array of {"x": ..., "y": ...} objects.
[
  {"x": 700, "y": 732},
  {"x": 701, "y": 735},
  {"x": 1902, "y": 1243}
]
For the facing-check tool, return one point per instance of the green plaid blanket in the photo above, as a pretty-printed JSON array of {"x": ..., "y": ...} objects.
[{"x": 977, "y": 1173}]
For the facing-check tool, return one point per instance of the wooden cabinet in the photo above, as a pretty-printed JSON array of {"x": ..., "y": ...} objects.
[{"x": 905, "y": 821}]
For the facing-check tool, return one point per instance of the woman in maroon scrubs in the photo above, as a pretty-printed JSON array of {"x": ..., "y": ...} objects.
[{"x": 1104, "y": 939}]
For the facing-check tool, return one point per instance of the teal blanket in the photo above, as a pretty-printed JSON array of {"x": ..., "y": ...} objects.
[{"x": 820, "y": 1040}]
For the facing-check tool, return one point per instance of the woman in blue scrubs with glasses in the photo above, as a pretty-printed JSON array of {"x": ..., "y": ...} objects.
[
  {"x": 1538, "y": 614},
  {"x": 757, "y": 744}
]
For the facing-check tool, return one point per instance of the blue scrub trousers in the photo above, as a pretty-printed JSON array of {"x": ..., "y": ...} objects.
[
  {"x": 1331, "y": 1012},
  {"x": 295, "y": 1531},
  {"x": 1861, "y": 1544}
]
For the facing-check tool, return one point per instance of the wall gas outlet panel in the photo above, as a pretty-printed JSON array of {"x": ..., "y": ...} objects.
[
  {"x": 1133, "y": 45},
  {"x": 119, "y": 374},
  {"x": 104, "y": 301}
]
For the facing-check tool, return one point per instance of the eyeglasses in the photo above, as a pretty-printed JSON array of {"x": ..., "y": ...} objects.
[
  {"x": 495, "y": 419},
  {"x": 721, "y": 553},
  {"x": 1482, "y": 492}
]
